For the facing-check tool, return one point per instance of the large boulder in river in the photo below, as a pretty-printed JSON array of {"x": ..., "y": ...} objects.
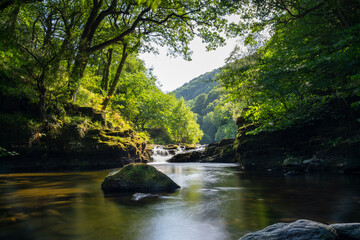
[
  {"x": 299, "y": 230},
  {"x": 138, "y": 177}
]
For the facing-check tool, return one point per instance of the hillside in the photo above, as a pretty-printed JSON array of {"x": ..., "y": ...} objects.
[
  {"x": 205, "y": 98},
  {"x": 202, "y": 84}
]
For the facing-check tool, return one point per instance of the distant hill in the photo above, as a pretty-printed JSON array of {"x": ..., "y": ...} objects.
[
  {"x": 202, "y": 84},
  {"x": 213, "y": 115}
]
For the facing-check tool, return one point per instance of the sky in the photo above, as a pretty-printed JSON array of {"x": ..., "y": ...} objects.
[{"x": 173, "y": 72}]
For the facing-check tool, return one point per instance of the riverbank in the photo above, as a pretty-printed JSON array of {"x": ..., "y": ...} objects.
[
  {"x": 85, "y": 139},
  {"x": 328, "y": 141},
  {"x": 320, "y": 146}
]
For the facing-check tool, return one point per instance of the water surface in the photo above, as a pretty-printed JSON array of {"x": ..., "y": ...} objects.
[{"x": 216, "y": 201}]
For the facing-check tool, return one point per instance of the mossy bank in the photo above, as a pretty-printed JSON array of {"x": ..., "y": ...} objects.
[
  {"x": 84, "y": 138},
  {"x": 329, "y": 142}
]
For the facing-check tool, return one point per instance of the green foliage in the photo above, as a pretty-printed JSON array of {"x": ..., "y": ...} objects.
[
  {"x": 220, "y": 123},
  {"x": 200, "y": 85},
  {"x": 5, "y": 153},
  {"x": 214, "y": 114},
  {"x": 141, "y": 102},
  {"x": 54, "y": 50},
  {"x": 44, "y": 46},
  {"x": 310, "y": 61},
  {"x": 184, "y": 128}
]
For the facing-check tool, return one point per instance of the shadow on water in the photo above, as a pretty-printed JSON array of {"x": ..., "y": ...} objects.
[
  {"x": 323, "y": 197},
  {"x": 216, "y": 201}
]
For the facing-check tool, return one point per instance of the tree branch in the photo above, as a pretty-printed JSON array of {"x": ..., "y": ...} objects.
[
  {"x": 303, "y": 14},
  {"x": 165, "y": 19},
  {"x": 120, "y": 36}
]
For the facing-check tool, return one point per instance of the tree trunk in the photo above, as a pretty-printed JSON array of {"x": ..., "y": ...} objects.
[
  {"x": 116, "y": 79},
  {"x": 83, "y": 54},
  {"x": 42, "y": 95},
  {"x": 77, "y": 74},
  {"x": 105, "y": 79}
]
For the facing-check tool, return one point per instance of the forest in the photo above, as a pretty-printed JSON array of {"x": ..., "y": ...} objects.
[
  {"x": 61, "y": 53},
  {"x": 60, "y": 56},
  {"x": 311, "y": 60},
  {"x": 216, "y": 115},
  {"x": 305, "y": 71}
]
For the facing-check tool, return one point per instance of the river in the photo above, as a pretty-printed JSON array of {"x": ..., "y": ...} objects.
[{"x": 216, "y": 201}]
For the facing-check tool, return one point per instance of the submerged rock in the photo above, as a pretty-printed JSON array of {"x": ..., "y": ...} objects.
[
  {"x": 138, "y": 177},
  {"x": 299, "y": 230}
]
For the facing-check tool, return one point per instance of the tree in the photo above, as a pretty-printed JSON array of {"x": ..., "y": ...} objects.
[
  {"x": 184, "y": 128},
  {"x": 304, "y": 65},
  {"x": 38, "y": 46},
  {"x": 112, "y": 22}
]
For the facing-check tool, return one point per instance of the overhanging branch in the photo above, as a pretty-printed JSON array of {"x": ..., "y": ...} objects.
[{"x": 120, "y": 36}]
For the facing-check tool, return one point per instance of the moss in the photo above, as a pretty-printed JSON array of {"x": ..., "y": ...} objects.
[
  {"x": 171, "y": 146},
  {"x": 137, "y": 172},
  {"x": 77, "y": 133},
  {"x": 189, "y": 146},
  {"x": 138, "y": 176}
]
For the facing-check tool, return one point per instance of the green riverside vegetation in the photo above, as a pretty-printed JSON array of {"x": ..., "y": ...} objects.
[
  {"x": 60, "y": 54},
  {"x": 62, "y": 63},
  {"x": 308, "y": 67}
]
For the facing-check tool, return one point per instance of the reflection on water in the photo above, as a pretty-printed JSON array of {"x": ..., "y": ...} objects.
[{"x": 216, "y": 201}]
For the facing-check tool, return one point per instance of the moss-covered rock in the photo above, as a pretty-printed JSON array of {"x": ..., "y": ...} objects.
[
  {"x": 92, "y": 113},
  {"x": 171, "y": 146},
  {"x": 189, "y": 146},
  {"x": 138, "y": 178}
]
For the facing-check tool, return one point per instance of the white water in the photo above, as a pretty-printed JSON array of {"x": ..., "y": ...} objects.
[
  {"x": 162, "y": 155},
  {"x": 180, "y": 150}
]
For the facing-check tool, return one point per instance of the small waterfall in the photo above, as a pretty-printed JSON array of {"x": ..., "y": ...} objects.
[
  {"x": 200, "y": 148},
  {"x": 159, "y": 150},
  {"x": 180, "y": 150},
  {"x": 160, "y": 155}
]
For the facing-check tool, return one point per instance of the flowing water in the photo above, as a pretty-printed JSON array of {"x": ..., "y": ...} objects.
[
  {"x": 216, "y": 201},
  {"x": 161, "y": 155}
]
